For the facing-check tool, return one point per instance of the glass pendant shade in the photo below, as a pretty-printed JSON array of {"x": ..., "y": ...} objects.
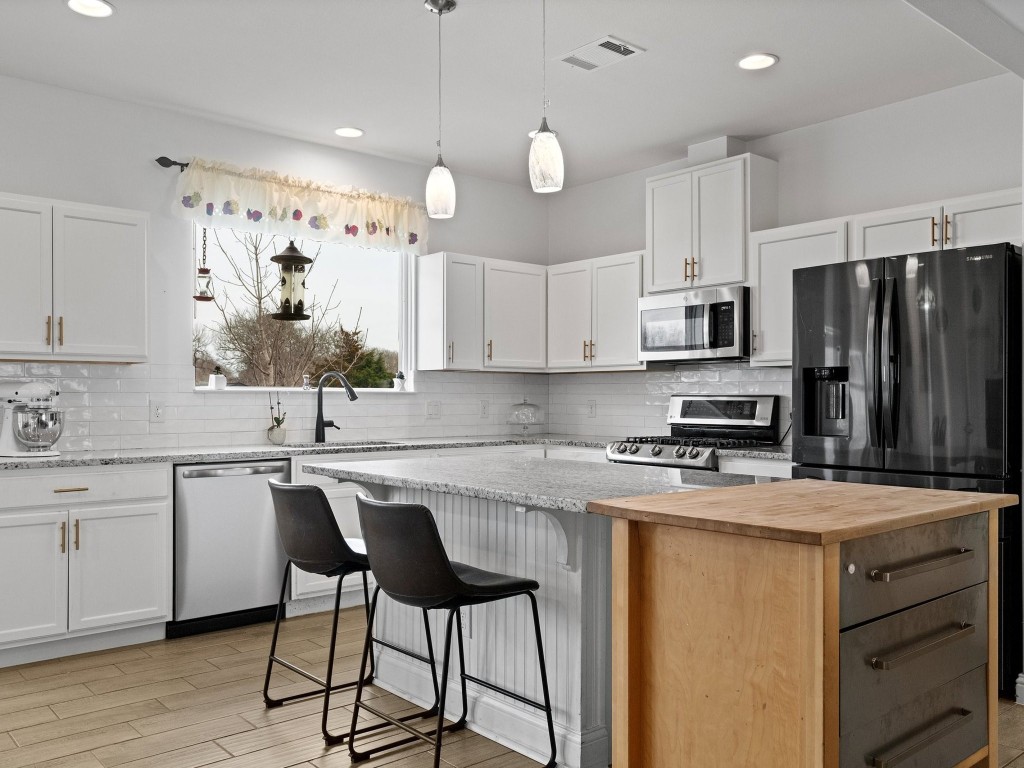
[
  {"x": 440, "y": 192},
  {"x": 547, "y": 169}
]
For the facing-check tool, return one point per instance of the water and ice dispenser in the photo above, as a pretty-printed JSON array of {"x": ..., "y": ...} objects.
[{"x": 826, "y": 393}]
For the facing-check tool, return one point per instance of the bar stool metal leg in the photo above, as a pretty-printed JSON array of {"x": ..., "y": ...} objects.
[{"x": 543, "y": 679}]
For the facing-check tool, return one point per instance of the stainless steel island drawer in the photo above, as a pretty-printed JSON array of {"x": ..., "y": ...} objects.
[
  {"x": 891, "y": 661},
  {"x": 890, "y": 571},
  {"x": 937, "y": 729}
]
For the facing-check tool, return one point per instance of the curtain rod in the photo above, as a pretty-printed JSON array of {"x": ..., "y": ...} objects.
[{"x": 166, "y": 162}]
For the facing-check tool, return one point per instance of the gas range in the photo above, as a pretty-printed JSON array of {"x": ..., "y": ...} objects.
[{"x": 701, "y": 425}]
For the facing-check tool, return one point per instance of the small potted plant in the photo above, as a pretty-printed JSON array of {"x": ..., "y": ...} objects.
[
  {"x": 398, "y": 380},
  {"x": 276, "y": 431}
]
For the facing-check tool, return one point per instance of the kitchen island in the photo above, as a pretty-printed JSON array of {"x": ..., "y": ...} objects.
[
  {"x": 805, "y": 624},
  {"x": 522, "y": 516}
]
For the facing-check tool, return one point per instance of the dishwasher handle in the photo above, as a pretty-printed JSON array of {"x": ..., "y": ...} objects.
[{"x": 262, "y": 469}]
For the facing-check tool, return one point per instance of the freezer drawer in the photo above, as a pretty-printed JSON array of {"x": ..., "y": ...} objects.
[
  {"x": 891, "y": 661},
  {"x": 890, "y": 571}
]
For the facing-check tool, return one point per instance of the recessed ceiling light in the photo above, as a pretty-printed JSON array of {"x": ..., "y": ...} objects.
[
  {"x": 96, "y": 9},
  {"x": 758, "y": 61},
  {"x": 349, "y": 132}
]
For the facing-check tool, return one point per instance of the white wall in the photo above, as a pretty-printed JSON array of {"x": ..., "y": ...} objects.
[{"x": 945, "y": 144}]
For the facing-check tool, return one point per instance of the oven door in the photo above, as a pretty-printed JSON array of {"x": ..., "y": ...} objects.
[{"x": 676, "y": 326}]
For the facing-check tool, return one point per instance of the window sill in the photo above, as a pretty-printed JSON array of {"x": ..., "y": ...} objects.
[{"x": 371, "y": 391}]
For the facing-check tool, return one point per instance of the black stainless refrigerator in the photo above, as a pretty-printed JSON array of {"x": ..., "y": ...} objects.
[{"x": 907, "y": 371}]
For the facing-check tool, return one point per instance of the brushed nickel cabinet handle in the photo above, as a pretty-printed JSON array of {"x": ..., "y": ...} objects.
[
  {"x": 60, "y": 331},
  {"x": 915, "y": 651},
  {"x": 693, "y": 269},
  {"x": 71, "y": 490},
  {"x": 490, "y": 349},
  {"x": 686, "y": 269},
  {"x": 63, "y": 537},
  {"x": 935, "y": 228},
  {"x": 76, "y": 534},
  {"x": 49, "y": 330},
  {"x": 584, "y": 350},
  {"x": 964, "y": 716},
  {"x": 591, "y": 349},
  {"x": 934, "y": 564},
  {"x": 453, "y": 352},
  {"x": 947, "y": 229}
]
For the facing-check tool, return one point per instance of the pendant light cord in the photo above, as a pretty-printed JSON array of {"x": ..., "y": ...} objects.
[
  {"x": 439, "y": 15},
  {"x": 544, "y": 51}
]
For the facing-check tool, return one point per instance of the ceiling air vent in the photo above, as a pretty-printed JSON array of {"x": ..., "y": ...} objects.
[{"x": 601, "y": 53}]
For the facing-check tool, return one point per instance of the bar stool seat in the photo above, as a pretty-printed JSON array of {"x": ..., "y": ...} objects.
[
  {"x": 313, "y": 543},
  {"x": 411, "y": 566}
]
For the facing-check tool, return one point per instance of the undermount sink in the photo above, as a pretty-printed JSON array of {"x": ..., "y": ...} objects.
[{"x": 341, "y": 444}]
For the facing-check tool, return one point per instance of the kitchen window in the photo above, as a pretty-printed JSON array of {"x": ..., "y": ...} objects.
[{"x": 357, "y": 298}]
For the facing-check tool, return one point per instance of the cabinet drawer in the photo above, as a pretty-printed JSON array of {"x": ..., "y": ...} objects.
[
  {"x": 938, "y": 729},
  {"x": 57, "y": 489},
  {"x": 891, "y": 661},
  {"x": 890, "y": 571}
]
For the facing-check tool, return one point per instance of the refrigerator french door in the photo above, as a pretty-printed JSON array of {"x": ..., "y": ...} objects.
[{"x": 907, "y": 371}]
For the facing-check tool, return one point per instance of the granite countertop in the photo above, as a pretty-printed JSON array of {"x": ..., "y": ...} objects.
[
  {"x": 202, "y": 455},
  {"x": 545, "y": 483},
  {"x": 769, "y": 452}
]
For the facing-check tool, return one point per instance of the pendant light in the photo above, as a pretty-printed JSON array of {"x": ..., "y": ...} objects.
[
  {"x": 547, "y": 169},
  {"x": 440, "y": 184},
  {"x": 204, "y": 280},
  {"x": 293, "y": 283}
]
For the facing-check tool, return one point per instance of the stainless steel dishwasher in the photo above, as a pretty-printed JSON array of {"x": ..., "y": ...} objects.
[{"x": 228, "y": 559}]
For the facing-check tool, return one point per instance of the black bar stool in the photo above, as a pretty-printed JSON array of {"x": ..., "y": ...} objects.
[
  {"x": 314, "y": 543},
  {"x": 410, "y": 564}
]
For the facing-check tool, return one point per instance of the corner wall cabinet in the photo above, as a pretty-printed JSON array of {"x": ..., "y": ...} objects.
[
  {"x": 993, "y": 217},
  {"x": 592, "y": 315},
  {"x": 698, "y": 220},
  {"x": 450, "y": 312},
  {"x": 774, "y": 254},
  {"x": 81, "y": 272},
  {"x": 88, "y": 550},
  {"x": 515, "y": 314}
]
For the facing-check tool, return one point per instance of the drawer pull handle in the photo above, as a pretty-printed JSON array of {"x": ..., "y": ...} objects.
[
  {"x": 921, "y": 649},
  {"x": 964, "y": 716},
  {"x": 71, "y": 490},
  {"x": 943, "y": 561}
]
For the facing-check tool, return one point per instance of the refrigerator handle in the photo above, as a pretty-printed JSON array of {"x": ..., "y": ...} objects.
[
  {"x": 873, "y": 381},
  {"x": 890, "y": 364}
]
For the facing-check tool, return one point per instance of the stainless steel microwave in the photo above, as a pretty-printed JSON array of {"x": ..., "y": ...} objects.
[{"x": 707, "y": 324}]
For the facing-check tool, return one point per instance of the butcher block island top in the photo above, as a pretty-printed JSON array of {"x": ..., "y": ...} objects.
[{"x": 814, "y": 512}]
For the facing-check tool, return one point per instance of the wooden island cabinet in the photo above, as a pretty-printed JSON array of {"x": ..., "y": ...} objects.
[{"x": 804, "y": 624}]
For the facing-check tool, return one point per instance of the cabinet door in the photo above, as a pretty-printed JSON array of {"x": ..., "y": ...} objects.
[
  {"x": 463, "y": 311},
  {"x": 26, "y": 258},
  {"x": 894, "y": 233},
  {"x": 982, "y": 219},
  {"x": 616, "y": 290},
  {"x": 719, "y": 224},
  {"x": 669, "y": 232},
  {"x": 34, "y": 572},
  {"x": 99, "y": 283},
  {"x": 515, "y": 310},
  {"x": 119, "y": 569},
  {"x": 569, "y": 313},
  {"x": 774, "y": 254}
]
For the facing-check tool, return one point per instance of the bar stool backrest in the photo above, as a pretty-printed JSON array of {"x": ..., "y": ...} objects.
[
  {"x": 309, "y": 533},
  {"x": 406, "y": 553}
]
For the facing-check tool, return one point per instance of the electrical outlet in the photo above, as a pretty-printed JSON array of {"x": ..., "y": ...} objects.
[
  {"x": 485, "y": 409},
  {"x": 434, "y": 409},
  {"x": 591, "y": 409},
  {"x": 466, "y": 614},
  {"x": 157, "y": 412}
]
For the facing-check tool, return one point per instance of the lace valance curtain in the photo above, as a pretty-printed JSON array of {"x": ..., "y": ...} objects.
[{"x": 220, "y": 195}]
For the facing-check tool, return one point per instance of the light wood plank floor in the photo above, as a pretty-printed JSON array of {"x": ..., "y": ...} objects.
[{"x": 198, "y": 701}]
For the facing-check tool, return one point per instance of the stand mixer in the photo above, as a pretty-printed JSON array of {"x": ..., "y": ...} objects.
[{"x": 29, "y": 421}]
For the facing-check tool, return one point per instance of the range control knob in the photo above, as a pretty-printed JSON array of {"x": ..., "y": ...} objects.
[
  {"x": 634, "y": 448},
  {"x": 694, "y": 452},
  {"x": 679, "y": 452},
  {"x": 621, "y": 448},
  {"x": 655, "y": 450}
]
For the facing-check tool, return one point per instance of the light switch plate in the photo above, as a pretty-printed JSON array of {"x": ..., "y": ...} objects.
[
  {"x": 485, "y": 409},
  {"x": 433, "y": 409},
  {"x": 157, "y": 412},
  {"x": 591, "y": 409}
]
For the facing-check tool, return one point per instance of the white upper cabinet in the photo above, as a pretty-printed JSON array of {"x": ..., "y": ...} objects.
[
  {"x": 570, "y": 311},
  {"x": 449, "y": 312},
  {"x": 82, "y": 291},
  {"x": 993, "y": 217},
  {"x": 774, "y": 254},
  {"x": 27, "y": 254},
  {"x": 515, "y": 314},
  {"x": 698, "y": 221},
  {"x": 592, "y": 312}
]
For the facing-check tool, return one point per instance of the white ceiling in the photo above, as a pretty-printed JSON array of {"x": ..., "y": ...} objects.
[{"x": 304, "y": 67}]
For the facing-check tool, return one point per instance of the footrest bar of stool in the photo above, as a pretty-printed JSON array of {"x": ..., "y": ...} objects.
[
  {"x": 414, "y": 735},
  {"x": 340, "y": 738},
  {"x": 506, "y": 692},
  {"x": 406, "y": 651},
  {"x": 299, "y": 671}
]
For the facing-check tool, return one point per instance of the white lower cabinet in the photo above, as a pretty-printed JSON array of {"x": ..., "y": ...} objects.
[{"x": 101, "y": 561}]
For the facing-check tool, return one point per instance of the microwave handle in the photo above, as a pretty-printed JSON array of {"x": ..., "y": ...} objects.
[{"x": 707, "y": 325}]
